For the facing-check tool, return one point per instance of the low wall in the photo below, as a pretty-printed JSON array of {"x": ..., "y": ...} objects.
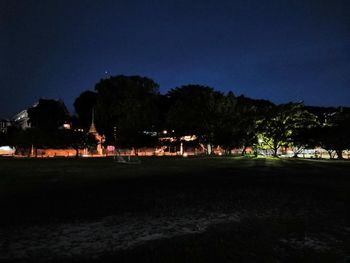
[{"x": 58, "y": 152}]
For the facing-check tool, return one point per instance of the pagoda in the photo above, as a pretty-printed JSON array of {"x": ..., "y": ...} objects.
[{"x": 100, "y": 139}]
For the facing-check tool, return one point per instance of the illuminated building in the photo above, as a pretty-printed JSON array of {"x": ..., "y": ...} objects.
[{"x": 21, "y": 120}]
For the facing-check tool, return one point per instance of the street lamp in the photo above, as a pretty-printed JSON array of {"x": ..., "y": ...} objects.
[{"x": 115, "y": 141}]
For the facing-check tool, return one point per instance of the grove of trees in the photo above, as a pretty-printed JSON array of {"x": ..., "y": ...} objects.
[{"x": 130, "y": 111}]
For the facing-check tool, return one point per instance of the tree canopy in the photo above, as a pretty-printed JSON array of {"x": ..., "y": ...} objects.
[
  {"x": 84, "y": 105},
  {"x": 48, "y": 114},
  {"x": 195, "y": 109},
  {"x": 131, "y": 110},
  {"x": 127, "y": 103},
  {"x": 282, "y": 124}
]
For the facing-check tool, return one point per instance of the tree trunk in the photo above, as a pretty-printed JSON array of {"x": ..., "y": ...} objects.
[
  {"x": 243, "y": 151},
  {"x": 340, "y": 154},
  {"x": 330, "y": 154},
  {"x": 297, "y": 151}
]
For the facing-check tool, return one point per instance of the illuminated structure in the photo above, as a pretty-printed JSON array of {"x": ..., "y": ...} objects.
[
  {"x": 181, "y": 140},
  {"x": 100, "y": 139},
  {"x": 21, "y": 120}
]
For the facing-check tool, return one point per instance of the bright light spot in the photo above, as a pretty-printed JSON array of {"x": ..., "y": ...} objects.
[
  {"x": 220, "y": 153},
  {"x": 260, "y": 141},
  {"x": 6, "y": 150},
  {"x": 165, "y": 131},
  {"x": 185, "y": 155},
  {"x": 188, "y": 138},
  {"x": 110, "y": 148}
]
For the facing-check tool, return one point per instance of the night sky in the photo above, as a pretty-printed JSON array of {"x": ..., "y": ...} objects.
[{"x": 277, "y": 50}]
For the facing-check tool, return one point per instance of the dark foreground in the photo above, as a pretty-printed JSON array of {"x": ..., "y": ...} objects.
[{"x": 174, "y": 210}]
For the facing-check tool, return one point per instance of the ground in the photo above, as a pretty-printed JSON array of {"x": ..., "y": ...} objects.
[{"x": 166, "y": 209}]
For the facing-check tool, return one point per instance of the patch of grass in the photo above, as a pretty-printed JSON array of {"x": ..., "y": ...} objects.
[
  {"x": 278, "y": 198},
  {"x": 250, "y": 240}
]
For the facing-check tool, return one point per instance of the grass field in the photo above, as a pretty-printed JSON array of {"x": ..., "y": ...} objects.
[{"x": 169, "y": 209}]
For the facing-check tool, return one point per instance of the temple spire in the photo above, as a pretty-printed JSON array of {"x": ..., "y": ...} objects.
[{"x": 92, "y": 127}]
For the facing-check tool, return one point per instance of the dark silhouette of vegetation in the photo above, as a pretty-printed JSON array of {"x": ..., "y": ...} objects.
[
  {"x": 195, "y": 110},
  {"x": 84, "y": 105},
  {"x": 334, "y": 134},
  {"x": 75, "y": 139},
  {"x": 129, "y": 104},
  {"x": 48, "y": 114},
  {"x": 134, "y": 105},
  {"x": 130, "y": 111}
]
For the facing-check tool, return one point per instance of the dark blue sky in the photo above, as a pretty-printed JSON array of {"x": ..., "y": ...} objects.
[{"x": 277, "y": 50}]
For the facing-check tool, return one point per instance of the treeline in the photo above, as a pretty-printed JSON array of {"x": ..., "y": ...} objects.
[
  {"x": 47, "y": 120},
  {"x": 129, "y": 111}
]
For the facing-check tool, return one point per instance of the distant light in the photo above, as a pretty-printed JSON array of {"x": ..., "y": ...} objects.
[
  {"x": 165, "y": 131},
  {"x": 7, "y": 150},
  {"x": 185, "y": 155},
  {"x": 220, "y": 153},
  {"x": 110, "y": 148},
  {"x": 66, "y": 126},
  {"x": 189, "y": 138}
]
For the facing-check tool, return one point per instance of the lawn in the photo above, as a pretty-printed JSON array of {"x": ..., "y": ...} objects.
[{"x": 166, "y": 209}]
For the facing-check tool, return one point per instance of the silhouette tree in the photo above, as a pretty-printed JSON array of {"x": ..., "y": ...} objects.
[
  {"x": 84, "y": 105},
  {"x": 48, "y": 115},
  {"x": 32, "y": 138},
  {"x": 128, "y": 103},
  {"x": 334, "y": 134},
  {"x": 74, "y": 139},
  {"x": 227, "y": 128},
  {"x": 195, "y": 109}
]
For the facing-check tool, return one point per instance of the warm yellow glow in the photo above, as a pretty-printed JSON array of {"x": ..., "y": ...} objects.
[
  {"x": 170, "y": 139},
  {"x": 188, "y": 138},
  {"x": 185, "y": 155}
]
